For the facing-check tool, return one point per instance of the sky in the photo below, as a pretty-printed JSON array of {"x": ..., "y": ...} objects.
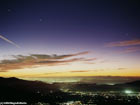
[{"x": 56, "y": 38}]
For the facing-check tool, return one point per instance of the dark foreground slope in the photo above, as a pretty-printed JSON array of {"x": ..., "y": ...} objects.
[{"x": 17, "y": 90}]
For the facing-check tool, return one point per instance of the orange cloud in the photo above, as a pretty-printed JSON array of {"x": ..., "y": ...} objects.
[
  {"x": 121, "y": 68},
  {"x": 33, "y": 60},
  {"x": 81, "y": 71},
  {"x": 129, "y": 50},
  {"x": 132, "y": 49},
  {"x": 124, "y": 43}
]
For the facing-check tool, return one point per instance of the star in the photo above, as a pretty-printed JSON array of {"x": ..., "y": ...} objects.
[
  {"x": 40, "y": 19},
  {"x": 9, "y": 10}
]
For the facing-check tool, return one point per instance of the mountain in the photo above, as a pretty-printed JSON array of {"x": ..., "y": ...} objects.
[
  {"x": 18, "y": 90},
  {"x": 135, "y": 85}
]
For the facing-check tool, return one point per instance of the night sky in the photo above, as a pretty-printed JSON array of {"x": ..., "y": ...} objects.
[{"x": 69, "y": 38}]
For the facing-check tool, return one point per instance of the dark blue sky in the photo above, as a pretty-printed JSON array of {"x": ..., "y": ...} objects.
[{"x": 84, "y": 24}]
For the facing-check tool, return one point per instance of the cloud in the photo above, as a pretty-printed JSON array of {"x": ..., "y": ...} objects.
[
  {"x": 51, "y": 73},
  {"x": 90, "y": 59},
  {"x": 54, "y": 56},
  {"x": 9, "y": 41},
  {"x": 132, "y": 45},
  {"x": 33, "y": 60},
  {"x": 131, "y": 49},
  {"x": 124, "y": 43},
  {"x": 80, "y": 71},
  {"x": 57, "y": 62},
  {"x": 121, "y": 68}
]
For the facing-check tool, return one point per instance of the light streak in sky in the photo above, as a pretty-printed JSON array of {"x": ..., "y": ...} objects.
[{"x": 9, "y": 41}]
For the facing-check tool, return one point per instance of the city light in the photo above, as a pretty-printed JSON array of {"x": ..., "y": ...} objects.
[{"x": 128, "y": 91}]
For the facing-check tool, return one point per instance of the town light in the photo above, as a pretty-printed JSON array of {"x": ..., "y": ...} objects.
[{"x": 128, "y": 91}]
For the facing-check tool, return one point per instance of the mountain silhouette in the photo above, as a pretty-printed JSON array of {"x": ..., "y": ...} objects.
[{"x": 18, "y": 90}]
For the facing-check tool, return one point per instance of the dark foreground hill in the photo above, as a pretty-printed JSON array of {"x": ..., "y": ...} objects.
[{"x": 18, "y": 90}]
